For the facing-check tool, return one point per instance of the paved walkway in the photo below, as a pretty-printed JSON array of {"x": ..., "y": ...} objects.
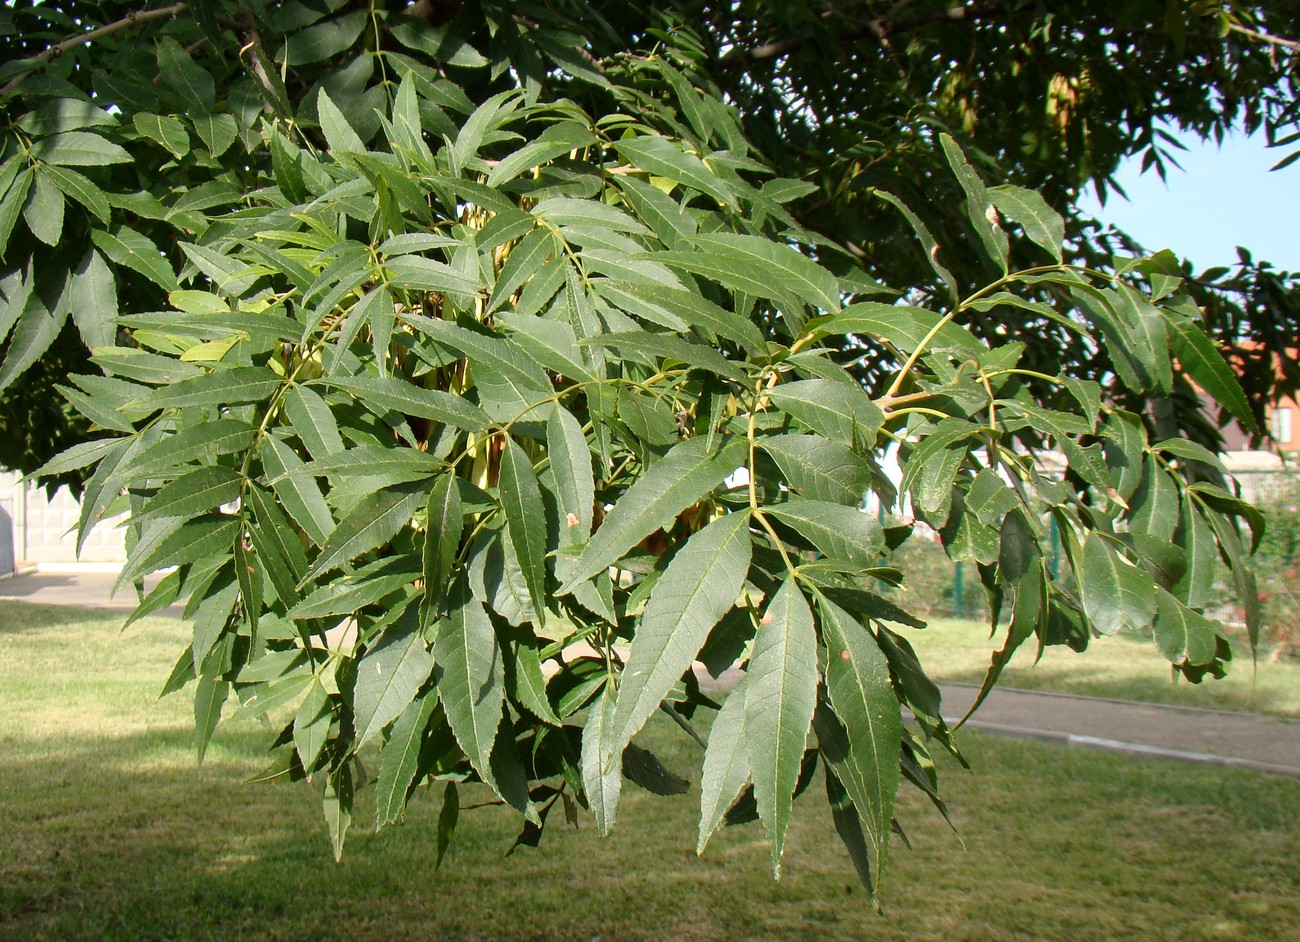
[{"x": 1212, "y": 736}]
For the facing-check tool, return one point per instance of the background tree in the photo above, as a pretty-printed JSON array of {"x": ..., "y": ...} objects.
[{"x": 428, "y": 341}]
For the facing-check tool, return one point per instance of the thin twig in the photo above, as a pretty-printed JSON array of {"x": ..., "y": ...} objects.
[
  {"x": 878, "y": 28},
  {"x": 130, "y": 21},
  {"x": 1262, "y": 36}
]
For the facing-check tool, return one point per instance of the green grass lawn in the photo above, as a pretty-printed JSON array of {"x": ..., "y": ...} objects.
[
  {"x": 110, "y": 831},
  {"x": 1124, "y": 666}
]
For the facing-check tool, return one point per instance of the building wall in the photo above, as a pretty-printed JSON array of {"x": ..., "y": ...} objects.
[{"x": 42, "y": 529}]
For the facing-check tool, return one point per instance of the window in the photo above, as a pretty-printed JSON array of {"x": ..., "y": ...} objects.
[{"x": 1282, "y": 426}]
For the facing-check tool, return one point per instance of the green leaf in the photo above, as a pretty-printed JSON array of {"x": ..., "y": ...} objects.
[
  {"x": 525, "y": 260},
  {"x": 841, "y": 412},
  {"x": 80, "y": 189},
  {"x": 299, "y": 494},
  {"x": 64, "y": 114},
  {"x": 472, "y": 685},
  {"x": 567, "y": 212},
  {"x": 130, "y": 249},
  {"x": 1154, "y": 505},
  {"x": 313, "y": 421},
  {"x": 248, "y": 574},
  {"x": 678, "y": 309},
  {"x": 780, "y": 698},
  {"x": 977, "y": 203},
  {"x": 193, "y": 493},
  {"x": 217, "y": 387},
  {"x": 193, "y": 541},
  {"x": 495, "y": 360},
  {"x": 1030, "y": 211},
  {"x": 574, "y": 484},
  {"x": 1196, "y": 587},
  {"x": 286, "y": 166},
  {"x": 689, "y": 472},
  {"x": 528, "y": 684},
  {"x": 217, "y": 131},
  {"x": 201, "y": 443},
  {"x": 338, "y": 133},
  {"x": 839, "y": 532},
  {"x": 383, "y": 394},
  {"x": 166, "y": 130},
  {"x": 443, "y": 529},
  {"x": 104, "y": 485},
  {"x": 11, "y": 205},
  {"x": 848, "y": 825},
  {"x": 905, "y": 328},
  {"x": 400, "y": 760},
  {"x": 389, "y": 675},
  {"x": 486, "y": 117},
  {"x": 179, "y": 70},
  {"x": 819, "y": 469},
  {"x": 671, "y": 347},
  {"x": 726, "y": 765},
  {"x": 1125, "y": 445},
  {"x": 759, "y": 267},
  {"x": 556, "y": 141},
  {"x": 79, "y": 149},
  {"x": 1197, "y": 355},
  {"x": 1190, "y": 451},
  {"x": 311, "y": 724},
  {"x": 664, "y": 158},
  {"x": 1116, "y": 594},
  {"x": 353, "y": 592},
  {"x": 337, "y": 807},
  {"x": 857, "y": 679},
  {"x": 699, "y": 586},
  {"x": 277, "y": 544},
  {"x": 552, "y": 344},
  {"x": 94, "y": 409},
  {"x": 1183, "y": 636},
  {"x": 37, "y": 329},
  {"x": 210, "y": 694},
  {"x": 1063, "y": 428},
  {"x": 521, "y": 499},
  {"x": 602, "y": 780},
  {"x": 77, "y": 456},
  {"x": 425, "y": 274},
  {"x": 374, "y": 521},
  {"x": 91, "y": 298},
  {"x": 43, "y": 211}
]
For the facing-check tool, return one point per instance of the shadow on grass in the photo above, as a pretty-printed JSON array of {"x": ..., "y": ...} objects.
[
  {"x": 126, "y": 838},
  {"x": 19, "y": 615}
]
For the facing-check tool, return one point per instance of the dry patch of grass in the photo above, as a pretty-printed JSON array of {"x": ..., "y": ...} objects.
[{"x": 112, "y": 832}]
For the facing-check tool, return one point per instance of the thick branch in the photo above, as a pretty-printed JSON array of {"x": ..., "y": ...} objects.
[
  {"x": 130, "y": 21},
  {"x": 878, "y": 28}
]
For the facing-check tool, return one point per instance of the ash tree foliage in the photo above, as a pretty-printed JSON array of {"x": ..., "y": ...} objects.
[{"x": 471, "y": 374}]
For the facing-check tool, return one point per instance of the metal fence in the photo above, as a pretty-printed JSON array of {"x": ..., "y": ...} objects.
[{"x": 935, "y": 587}]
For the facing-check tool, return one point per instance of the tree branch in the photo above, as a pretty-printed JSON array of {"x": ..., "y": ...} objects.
[
  {"x": 878, "y": 28},
  {"x": 130, "y": 21},
  {"x": 1265, "y": 37}
]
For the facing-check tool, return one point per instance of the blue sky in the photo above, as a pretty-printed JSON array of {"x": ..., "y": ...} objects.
[{"x": 1227, "y": 197}]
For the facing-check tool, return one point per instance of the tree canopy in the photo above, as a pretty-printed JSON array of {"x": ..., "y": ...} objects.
[{"x": 479, "y": 367}]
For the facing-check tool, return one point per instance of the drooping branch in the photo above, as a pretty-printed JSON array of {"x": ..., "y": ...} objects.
[
  {"x": 878, "y": 28},
  {"x": 130, "y": 21},
  {"x": 1264, "y": 37}
]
